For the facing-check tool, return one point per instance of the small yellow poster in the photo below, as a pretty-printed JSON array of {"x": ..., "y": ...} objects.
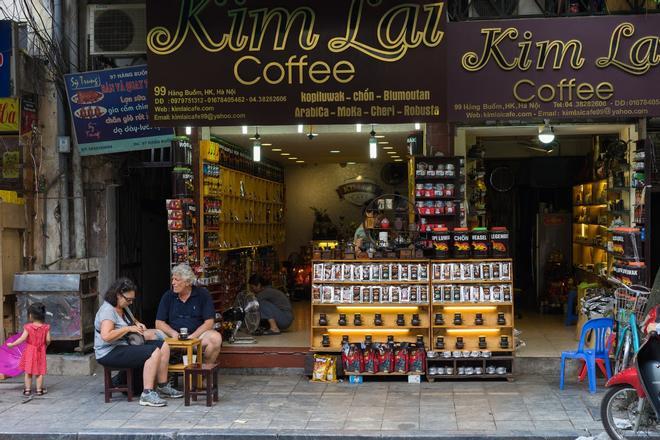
[{"x": 10, "y": 165}]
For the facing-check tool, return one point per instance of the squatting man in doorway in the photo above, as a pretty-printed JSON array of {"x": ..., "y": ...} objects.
[
  {"x": 190, "y": 307},
  {"x": 274, "y": 305}
]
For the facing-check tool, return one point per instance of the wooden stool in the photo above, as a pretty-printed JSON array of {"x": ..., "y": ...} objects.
[
  {"x": 123, "y": 388},
  {"x": 199, "y": 371}
]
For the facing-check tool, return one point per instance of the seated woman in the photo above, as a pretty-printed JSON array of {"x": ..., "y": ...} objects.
[
  {"x": 112, "y": 349},
  {"x": 274, "y": 305}
]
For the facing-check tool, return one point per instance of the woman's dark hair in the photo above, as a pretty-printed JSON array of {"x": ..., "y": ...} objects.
[
  {"x": 37, "y": 311},
  {"x": 121, "y": 285},
  {"x": 256, "y": 280}
]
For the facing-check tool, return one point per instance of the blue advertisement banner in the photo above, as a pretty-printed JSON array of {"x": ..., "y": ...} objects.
[
  {"x": 110, "y": 111},
  {"x": 5, "y": 58}
]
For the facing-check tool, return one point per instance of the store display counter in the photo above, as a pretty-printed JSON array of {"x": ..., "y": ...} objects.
[{"x": 459, "y": 311}]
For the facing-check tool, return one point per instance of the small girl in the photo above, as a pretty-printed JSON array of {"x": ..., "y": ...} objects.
[{"x": 33, "y": 359}]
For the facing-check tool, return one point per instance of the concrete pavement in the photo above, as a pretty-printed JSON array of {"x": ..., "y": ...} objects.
[{"x": 292, "y": 407}]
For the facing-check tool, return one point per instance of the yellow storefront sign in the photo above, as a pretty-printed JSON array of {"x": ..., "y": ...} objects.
[{"x": 9, "y": 115}]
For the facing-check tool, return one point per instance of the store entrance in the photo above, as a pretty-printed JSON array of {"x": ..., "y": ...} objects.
[
  {"x": 329, "y": 177},
  {"x": 559, "y": 240}
]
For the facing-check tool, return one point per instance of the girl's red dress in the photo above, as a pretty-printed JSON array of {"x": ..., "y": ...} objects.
[{"x": 33, "y": 359}]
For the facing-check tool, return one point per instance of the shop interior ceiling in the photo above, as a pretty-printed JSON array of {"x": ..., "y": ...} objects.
[
  {"x": 342, "y": 143},
  {"x": 522, "y": 141},
  {"x": 289, "y": 145}
]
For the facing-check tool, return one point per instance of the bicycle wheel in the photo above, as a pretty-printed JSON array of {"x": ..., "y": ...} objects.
[{"x": 623, "y": 353}]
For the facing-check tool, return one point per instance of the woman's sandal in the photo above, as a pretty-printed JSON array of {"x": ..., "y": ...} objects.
[
  {"x": 40, "y": 392},
  {"x": 27, "y": 393}
]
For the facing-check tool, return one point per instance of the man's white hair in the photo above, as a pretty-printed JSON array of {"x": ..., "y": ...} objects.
[{"x": 184, "y": 272}]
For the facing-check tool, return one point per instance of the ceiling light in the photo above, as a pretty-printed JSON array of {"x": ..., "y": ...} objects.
[
  {"x": 358, "y": 128},
  {"x": 244, "y": 129},
  {"x": 292, "y": 158},
  {"x": 388, "y": 148},
  {"x": 546, "y": 134},
  {"x": 350, "y": 163},
  {"x": 418, "y": 126},
  {"x": 256, "y": 147},
  {"x": 300, "y": 161},
  {"x": 188, "y": 131},
  {"x": 398, "y": 160},
  {"x": 285, "y": 154},
  {"x": 276, "y": 149},
  {"x": 373, "y": 144},
  {"x": 335, "y": 151},
  {"x": 252, "y": 138},
  {"x": 301, "y": 128},
  {"x": 380, "y": 136},
  {"x": 266, "y": 145},
  {"x": 383, "y": 143},
  {"x": 391, "y": 152}
]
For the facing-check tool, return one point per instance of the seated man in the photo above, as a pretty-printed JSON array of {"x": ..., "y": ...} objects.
[
  {"x": 190, "y": 307},
  {"x": 274, "y": 305}
]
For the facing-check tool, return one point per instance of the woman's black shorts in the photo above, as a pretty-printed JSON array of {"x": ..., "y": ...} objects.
[{"x": 129, "y": 356}]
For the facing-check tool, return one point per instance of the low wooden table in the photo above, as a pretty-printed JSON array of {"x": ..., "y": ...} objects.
[{"x": 190, "y": 346}]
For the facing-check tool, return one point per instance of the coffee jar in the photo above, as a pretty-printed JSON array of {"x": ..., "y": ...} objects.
[{"x": 460, "y": 243}]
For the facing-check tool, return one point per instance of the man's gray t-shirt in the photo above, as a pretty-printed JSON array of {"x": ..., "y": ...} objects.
[
  {"x": 107, "y": 313},
  {"x": 276, "y": 297}
]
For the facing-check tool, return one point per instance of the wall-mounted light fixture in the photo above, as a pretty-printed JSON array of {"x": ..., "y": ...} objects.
[
  {"x": 373, "y": 144},
  {"x": 546, "y": 134},
  {"x": 256, "y": 147}
]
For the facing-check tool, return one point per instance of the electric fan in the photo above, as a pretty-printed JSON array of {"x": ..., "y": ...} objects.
[{"x": 245, "y": 313}]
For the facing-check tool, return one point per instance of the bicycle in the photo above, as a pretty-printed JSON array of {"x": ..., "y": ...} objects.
[{"x": 630, "y": 306}]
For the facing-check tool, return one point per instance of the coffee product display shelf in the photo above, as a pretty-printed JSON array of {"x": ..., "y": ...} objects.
[
  {"x": 340, "y": 292},
  {"x": 472, "y": 312},
  {"x": 407, "y": 306},
  {"x": 394, "y": 373},
  {"x": 363, "y": 283}
]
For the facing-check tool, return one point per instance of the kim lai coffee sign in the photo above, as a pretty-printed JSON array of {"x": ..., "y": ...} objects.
[
  {"x": 252, "y": 62},
  {"x": 560, "y": 68}
]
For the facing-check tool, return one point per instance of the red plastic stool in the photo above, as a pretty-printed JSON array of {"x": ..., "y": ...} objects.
[
  {"x": 583, "y": 370},
  {"x": 599, "y": 362}
]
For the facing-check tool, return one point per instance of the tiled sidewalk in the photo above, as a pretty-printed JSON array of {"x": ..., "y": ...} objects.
[{"x": 531, "y": 406}]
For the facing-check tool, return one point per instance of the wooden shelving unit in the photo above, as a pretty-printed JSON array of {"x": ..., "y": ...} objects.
[
  {"x": 465, "y": 288},
  {"x": 338, "y": 287},
  {"x": 239, "y": 215},
  {"x": 438, "y": 195},
  {"x": 591, "y": 218}
]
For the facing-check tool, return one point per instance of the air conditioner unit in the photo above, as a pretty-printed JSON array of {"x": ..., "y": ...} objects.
[{"x": 117, "y": 30}]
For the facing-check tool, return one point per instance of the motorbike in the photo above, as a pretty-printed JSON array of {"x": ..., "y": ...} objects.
[{"x": 631, "y": 406}]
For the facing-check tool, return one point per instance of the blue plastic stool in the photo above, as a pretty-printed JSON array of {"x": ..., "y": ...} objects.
[{"x": 571, "y": 316}]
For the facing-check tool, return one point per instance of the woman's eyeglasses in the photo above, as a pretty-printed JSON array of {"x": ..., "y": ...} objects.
[{"x": 128, "y": 300}]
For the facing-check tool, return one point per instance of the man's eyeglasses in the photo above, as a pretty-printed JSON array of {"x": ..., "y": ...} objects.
[{"x": 128, "y": 300}]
